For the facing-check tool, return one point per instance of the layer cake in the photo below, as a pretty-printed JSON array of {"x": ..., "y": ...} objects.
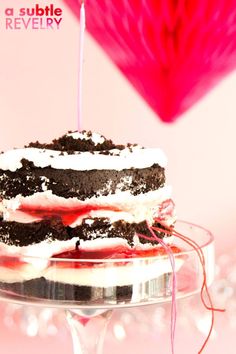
[{"x": 81, "y": 197}]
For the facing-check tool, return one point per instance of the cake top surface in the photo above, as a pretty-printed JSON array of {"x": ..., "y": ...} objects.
[{"x": 82, "y": 151}]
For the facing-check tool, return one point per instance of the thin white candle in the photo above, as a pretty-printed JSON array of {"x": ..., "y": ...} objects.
[{"x": 81, "y": 57}]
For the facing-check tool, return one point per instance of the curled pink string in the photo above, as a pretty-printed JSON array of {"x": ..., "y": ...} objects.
[
  {"x": 200, "y": 254},
  {"x": 174, "y": 283}
]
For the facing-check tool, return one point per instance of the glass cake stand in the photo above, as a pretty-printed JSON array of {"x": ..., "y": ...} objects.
[{"x": 89, "y": 290}]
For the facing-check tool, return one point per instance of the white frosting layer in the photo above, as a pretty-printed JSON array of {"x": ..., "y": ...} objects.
[
  {"x": 136, "y": 157},
  {"x": 130, "y": 208}
]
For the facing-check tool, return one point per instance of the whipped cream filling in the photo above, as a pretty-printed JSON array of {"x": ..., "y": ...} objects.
[
  {"x": 130, "y": 208},
  {"x": 105, "y": 274},
  {"x": 44, "y": 250},
  {"x": 37, "y": 264},
  {"x": 133, "y": 157},
  {"x": 132, "y": 273}
]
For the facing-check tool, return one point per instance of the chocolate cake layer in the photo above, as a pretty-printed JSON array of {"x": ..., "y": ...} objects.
[
  {"x": 80, "y": 184},
  {"x": 45, "y": 289},
  {"x": 122, "y": 229},
  {"x": 19, "y": 234}
]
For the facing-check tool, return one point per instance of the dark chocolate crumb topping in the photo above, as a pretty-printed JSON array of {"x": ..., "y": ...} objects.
[{"x": 69, "y": 144}]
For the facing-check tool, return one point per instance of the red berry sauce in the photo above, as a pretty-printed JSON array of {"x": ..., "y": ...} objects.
[
  {"x": 68, "y": 215},
  {"x": 118, "y": 252}
]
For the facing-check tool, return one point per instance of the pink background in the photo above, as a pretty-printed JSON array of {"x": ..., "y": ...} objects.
[{"x": 38, "y": 94}]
